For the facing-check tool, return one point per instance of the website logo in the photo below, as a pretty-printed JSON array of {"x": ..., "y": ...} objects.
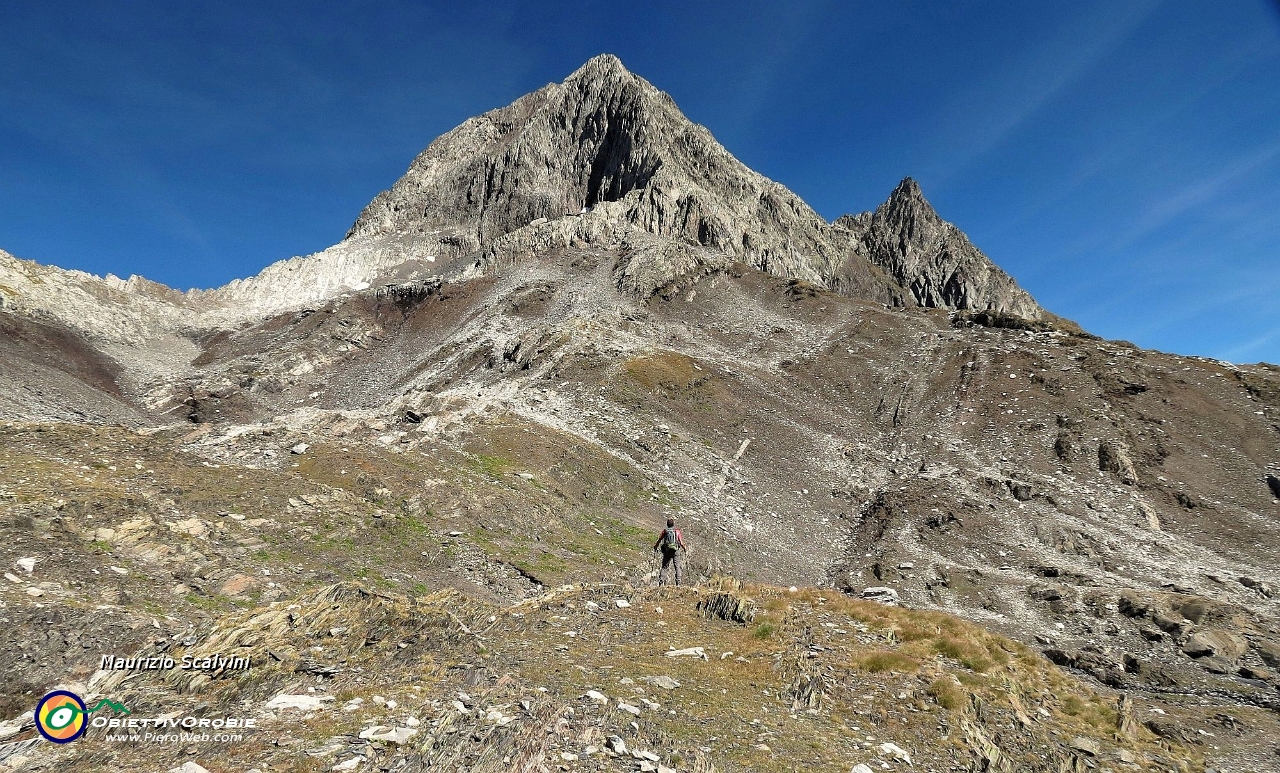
[{"x": 61, "y": 715}]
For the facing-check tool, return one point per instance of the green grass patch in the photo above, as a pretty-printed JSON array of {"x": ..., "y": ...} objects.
[
  {"x": 491, "y": 465},
  {"x": 881, "y": 661},
  {"x": 948, "y": 694}
]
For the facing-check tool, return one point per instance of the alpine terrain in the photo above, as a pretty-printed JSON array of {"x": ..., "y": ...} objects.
[{"x": 414, "y": 482}]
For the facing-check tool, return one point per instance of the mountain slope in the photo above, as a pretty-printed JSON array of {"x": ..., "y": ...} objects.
[{"x": 469, "y": 394}]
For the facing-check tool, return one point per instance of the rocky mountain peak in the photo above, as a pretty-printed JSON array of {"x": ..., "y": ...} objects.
[
  {"x": 600, "y": 66},
  {"x": 607, "y": 146},
  {"x": 605, "y": 157},
  {"x": 907, "y": 197},
  {"x": 932, "y": 258},
  {"x": 907, "y": 206},
  {"x": 549, "y": 154},
  {"x": 907, "y": 189}
]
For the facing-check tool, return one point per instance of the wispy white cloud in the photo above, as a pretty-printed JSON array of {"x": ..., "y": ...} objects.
[
  {"x": 1251, "y": 349},
  {"x": 1196, "y": 194},
  {"x": 1020, "y": 88},
  {"x": 1151, "y": 121}
]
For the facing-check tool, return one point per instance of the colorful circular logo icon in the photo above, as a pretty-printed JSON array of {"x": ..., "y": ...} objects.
[{"x": 60, "y": 716}]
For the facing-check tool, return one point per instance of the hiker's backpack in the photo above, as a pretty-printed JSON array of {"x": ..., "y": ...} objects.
[{"x": 670, "y": 539}]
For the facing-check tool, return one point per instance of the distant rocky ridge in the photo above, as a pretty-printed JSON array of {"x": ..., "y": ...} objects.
[
  {"x": 607, "y": 142},
  {"x": 932, "y": 258},
  {"x": 603, "y": 157}
]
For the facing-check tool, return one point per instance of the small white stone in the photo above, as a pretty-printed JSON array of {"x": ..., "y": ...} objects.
[
  {"x": 299, "y": 702},
  {"x": 688, "y": 652},
  {"x": 893, "y": 750},
  {"x": 395, "y": 736}
]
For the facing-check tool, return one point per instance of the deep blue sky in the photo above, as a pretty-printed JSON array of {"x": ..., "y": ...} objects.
[{"x": 1120, "y": 159}]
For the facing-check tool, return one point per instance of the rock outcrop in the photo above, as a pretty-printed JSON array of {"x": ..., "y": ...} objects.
[
  {"x": 932, "y": 258},
  {"x": 607, "y": 144},
  {"x": 605, "y": 148}
]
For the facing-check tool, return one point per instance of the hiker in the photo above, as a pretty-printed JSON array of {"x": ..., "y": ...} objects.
[{"x": 671, "y": 543}]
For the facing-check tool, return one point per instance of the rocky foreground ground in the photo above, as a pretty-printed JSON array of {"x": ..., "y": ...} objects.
[
  {"x": 609, "y": 677},
  {"x": 380, "y": 637}
]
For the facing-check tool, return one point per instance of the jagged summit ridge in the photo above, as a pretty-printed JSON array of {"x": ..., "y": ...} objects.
[
  {"x": 609, "y": 143},
  {"x": 608, "y": 147},
  {"x": 933, "y": 259},
  {"x": 547, "y": 154}
]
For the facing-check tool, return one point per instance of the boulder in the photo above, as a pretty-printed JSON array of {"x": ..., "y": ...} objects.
[
  {"x": 1257, "y": 672},
  {"x": 895, "y": 751},
  {"x": 1171, "y": 625},
  {"x": 727, "y": 606},
  {"x": 1045, "y": 593},
  {"x": 881, "y": 595},
  {"x": 1220, "y": 644},
  {"x": 1114, "y": 458},
  {"x": 298, "y": 702},
  {"x": 1021, "y": 491},
  {"x": 238, "y": 585},
  {"x": 1269, "y": 651},
  {"x": 1261, "y": 587},
  {"x": 395, "y": 736},
  {"x": 688, "y": 652}
]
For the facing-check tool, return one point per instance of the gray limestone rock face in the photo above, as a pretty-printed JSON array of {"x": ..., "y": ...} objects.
[
  {"x": 932, "y": 258},
  {"x": 607, "y": 145},
  {"x": 603, "y": 158}
]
